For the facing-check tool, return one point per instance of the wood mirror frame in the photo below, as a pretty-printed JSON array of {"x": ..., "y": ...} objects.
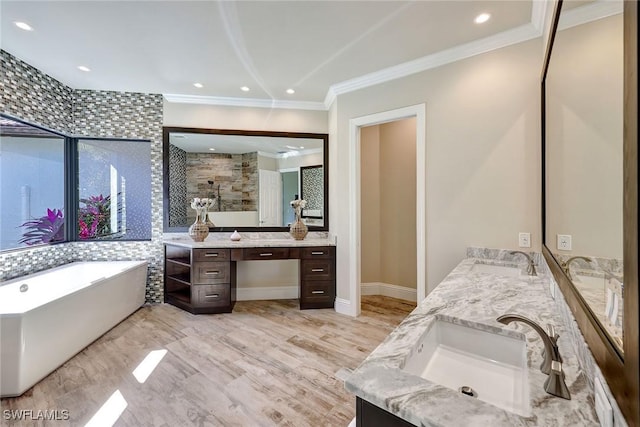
[
  {"x": 621, "y": 371},
  {"x": 166, "y": 131}
]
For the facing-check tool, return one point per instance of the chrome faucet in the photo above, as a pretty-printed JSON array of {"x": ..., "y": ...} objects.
[
  {"x": 566, "y": 265},
  {"x": 552, "y": 363},
  {"x": 531, "y": 268}
]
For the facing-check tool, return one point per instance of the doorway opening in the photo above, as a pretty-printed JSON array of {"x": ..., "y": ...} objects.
[
  {"x": 418, "y": 115},
  {"x": 388, "y": 260}
]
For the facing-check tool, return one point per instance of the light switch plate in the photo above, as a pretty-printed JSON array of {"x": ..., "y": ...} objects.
[
  {"x": 564, "y": 242},
  {"x": 524, "y": 240}
]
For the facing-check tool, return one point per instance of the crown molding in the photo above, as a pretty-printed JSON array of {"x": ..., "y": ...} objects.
[
  {"x": 591, "y": 12},
  {"x": 539, "y": 10},
  {"x": 244, "y": 102},
  {"x": 497, "y": 41}
]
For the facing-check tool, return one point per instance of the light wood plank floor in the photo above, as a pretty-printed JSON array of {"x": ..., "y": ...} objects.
[{"x": 265, "y": 364}]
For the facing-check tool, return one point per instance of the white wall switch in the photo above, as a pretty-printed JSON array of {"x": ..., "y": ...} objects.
[
  {"x": 603, "y": 407},
  {"x": 564, "y": 242},
  {"x": 524, "y": 240}
]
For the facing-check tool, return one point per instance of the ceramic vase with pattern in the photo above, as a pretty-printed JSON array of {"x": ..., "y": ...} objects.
[{"x": 199, "y": 230}]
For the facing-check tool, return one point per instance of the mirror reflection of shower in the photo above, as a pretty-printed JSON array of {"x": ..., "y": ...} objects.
[{"x": 215, "y": 194}]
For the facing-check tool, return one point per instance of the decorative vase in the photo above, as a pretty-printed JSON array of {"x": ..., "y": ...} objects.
[
  {"x": 298, "y": 228},
  {"x": 199, "y": 230},
  {"x": 235, "y": 236}
]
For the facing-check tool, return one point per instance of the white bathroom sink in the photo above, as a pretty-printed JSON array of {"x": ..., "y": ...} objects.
[
  {"x": 494, "y": 366},
  {"x": 501, "y": 270}
]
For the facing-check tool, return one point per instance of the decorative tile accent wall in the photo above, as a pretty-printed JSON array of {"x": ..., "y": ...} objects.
[
  {"x": 250, "y": 181},
  {"x": 30, "y": 95},
  {"x": 33, "y": 96},
  {"x": 177, "y": 186},
  {"x": 237, "y": 175},
  {"x": 313, "y": 188},
  {"x": 127, "y": 115}
]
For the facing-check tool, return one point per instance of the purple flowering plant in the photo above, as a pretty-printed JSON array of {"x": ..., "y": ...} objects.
[
  {"x": 46, "y": 229},
  {"x": 94, "y": 218}
]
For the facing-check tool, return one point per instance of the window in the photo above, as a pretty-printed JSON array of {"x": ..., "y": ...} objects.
[
  {"x": 114, "y": 189},
  {"x": 32, "y": 185}
]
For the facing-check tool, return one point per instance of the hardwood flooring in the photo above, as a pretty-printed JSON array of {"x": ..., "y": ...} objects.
[{"x": 265, "y": 364}]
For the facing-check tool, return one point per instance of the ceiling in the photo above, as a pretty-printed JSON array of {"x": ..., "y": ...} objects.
[{"x": 313, "y": 47}]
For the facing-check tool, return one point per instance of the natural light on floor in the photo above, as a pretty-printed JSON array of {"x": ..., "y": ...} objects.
[
  {"x": 146, "y": 367},
  {"x": 109, "y": 413}
]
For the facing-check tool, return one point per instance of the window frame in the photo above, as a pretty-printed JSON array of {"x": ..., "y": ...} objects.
[{"x": 71, "y": 186}]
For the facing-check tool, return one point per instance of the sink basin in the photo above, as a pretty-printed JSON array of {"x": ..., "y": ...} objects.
[
  {"x": 493, "y": 366},
  {"x": 501, "y": 270}
]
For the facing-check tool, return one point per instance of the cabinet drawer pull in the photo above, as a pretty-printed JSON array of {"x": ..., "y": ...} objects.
[
  {"x": 266, "y": 254},
  {"x": 317, "y": 292},
  {"x": 212, "y": 296},
  {"x": 317, "y": 270},
  {"x": 317, "y": 253},
  {"x": 211, "y": 254},
  {"x": 212, "y": 272}
]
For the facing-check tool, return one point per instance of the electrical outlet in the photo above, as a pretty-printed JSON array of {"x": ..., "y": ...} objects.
[
  {"x": 564, "y": 242},
  {"x": 524, "y": 240}
]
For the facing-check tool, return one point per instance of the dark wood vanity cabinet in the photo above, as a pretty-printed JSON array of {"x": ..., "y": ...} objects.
[
  {"x": 200, "y": 280},
  {"x": 204, "y": 280},
  {"x": 317, "y": 277}
]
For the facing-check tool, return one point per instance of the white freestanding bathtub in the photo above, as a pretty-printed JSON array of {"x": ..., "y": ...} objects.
[{"x": 48, "y": 317}]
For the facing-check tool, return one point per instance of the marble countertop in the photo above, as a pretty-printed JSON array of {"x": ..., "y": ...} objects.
[
  {"x": 249, "y": 240},
  {"x": 476, "y": 298}
]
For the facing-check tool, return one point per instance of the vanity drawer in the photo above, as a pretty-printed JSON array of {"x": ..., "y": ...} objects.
[
  {"x": 316, "y": 253},
  {"x": 209, "y": 255},
  {"x": 317, "y": 294},
  {"x": 211, "y": 273},
  {"x": 265, "y": 253},
  {"x": 317, "y": 289},
  {"x": 210, "y": 295},
  {"x": 320, "y": 269}
]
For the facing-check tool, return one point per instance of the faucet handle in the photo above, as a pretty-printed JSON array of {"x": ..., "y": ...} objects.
[
  {"x": 555, "y": 384},
  {"x": 553, "y": 335}
]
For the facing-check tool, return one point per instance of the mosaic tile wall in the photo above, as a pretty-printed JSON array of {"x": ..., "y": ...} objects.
[
  {"x": 177, "y": 186},
  {"x": 29, "y": 94},
  {"x": 127, "y": 115},
  {"x": 33, "y": 96}
]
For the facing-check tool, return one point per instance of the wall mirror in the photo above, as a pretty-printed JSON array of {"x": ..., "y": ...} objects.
[
  {"x": 251, "y": 175},
  {"x": 586, "y": 227}
]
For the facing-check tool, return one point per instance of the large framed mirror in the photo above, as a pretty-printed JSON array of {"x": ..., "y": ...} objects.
[
  {"x": 587, "y": 228},
  {"x": 252, "y": 176}
]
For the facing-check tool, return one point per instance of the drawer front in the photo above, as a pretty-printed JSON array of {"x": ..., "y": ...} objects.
[
  {"x": 316, "y": 253},
  {"x": 314, "y": 290},
  {"x": 211, "y": 255},
  {"x": 265, "y": 253},
  {"x": 211, "y": 273},
  {"x": 321, "y": 269},
  {"x": 210, "y": 295}
]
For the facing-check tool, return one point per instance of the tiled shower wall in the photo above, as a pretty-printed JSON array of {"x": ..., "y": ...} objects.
[
  {"x": 177, "y": 186},
  {"x": 31, "y": 95}
]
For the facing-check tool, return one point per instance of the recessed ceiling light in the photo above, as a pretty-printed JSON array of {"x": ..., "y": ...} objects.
[
  {"x": 198, "y": 85},
  {"x": 291, "y": 91},
  {"x": 23, "y": 26},
  {"x": 212, "y": 149},
  {"x": 245, "y": 89},
  {"x": 84, "y": 68},
  {"x": 482, "y": 18}
]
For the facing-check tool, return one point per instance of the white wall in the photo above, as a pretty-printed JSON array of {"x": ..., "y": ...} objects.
[{"x": 483, "y": 154}]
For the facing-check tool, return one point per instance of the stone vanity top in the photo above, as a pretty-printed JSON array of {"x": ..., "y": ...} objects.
[
  {"x": 475, "y": 297},
  {"x": 249, "y": 240}
]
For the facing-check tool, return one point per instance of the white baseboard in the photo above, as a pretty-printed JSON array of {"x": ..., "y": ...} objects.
[
  {"x": 272, "y": 292},
  {"x": 343, "y": 306},
  {"x": 388, "y": 290}
]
